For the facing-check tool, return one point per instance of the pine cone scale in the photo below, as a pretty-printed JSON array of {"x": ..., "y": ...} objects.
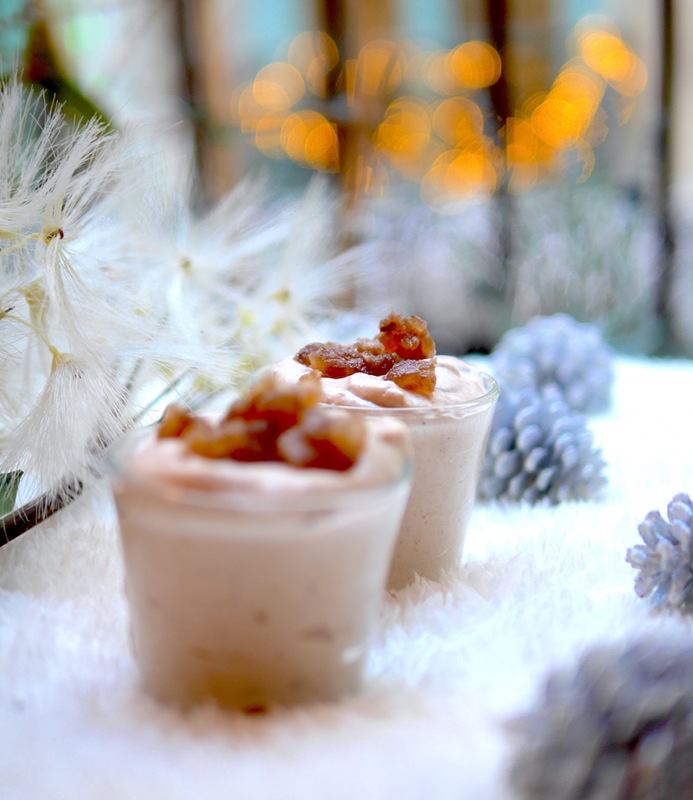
[
  {"x": 620, "y": 725},
  {"x": 665, "y": 559},
  {"x": 507, "y": 464},
  {"x": 548, "y": 371},
  {"x": 529, "y": 437},
  {"x": 557, "y": 353}
]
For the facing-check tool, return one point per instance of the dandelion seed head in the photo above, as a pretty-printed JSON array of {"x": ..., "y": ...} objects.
[
  {"x": 117, "y": 293},
  {"x": 58, "y": 440}
]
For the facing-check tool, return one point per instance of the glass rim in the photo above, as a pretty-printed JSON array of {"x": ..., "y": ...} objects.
[
  {"x": 480, "y": 401},
  {"x": 246, "y": 499}
]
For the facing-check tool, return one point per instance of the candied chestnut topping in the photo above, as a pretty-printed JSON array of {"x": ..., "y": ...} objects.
[
  {"x": 340, "y": 360},
  {"x": 408, "y": 337},
  {"x": 403, "y": 351},
  {"x": 273, "y": 422},
  {"x": 415, "y": 376},
  {"x": 175, "y": 421}
]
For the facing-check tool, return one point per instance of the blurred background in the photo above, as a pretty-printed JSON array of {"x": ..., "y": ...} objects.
[{"x": 505, "y": 158}]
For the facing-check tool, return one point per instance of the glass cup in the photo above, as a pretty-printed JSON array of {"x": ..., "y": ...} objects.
[
  {"x": 254, "y": 598},
  {"x": 449, "y": 444}
]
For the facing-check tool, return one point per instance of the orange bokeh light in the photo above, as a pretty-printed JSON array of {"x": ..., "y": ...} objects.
[
  {"x": 380, "y": 68},
  {"x": 248, "y": 109},
  {"x": 566, "y": 112},
  {"x": 308, "y": 46},
  {"x": 611, "y": 58},
  {"x": 310, "y": 139},
  {"x": 278, "y": 86},
  {"x": 314, "y": 54},
  {"x": 406, "y": 129},
  {"x": 475, "y": 65},
  {"x": 267, "y": 134},
  {"x": 522, "y": 144},
  {"x": 528, "y": 156},
  {"x": 418, "y": 112},
  {"x": 558, "y": 122},
  {"x": 458, "y": 121},
  {"x": 461, "y": 174},
  {"x": 437, "y": 73}
]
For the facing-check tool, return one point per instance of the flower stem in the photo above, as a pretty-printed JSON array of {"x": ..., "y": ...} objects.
[{"x": 22, "y": 519}]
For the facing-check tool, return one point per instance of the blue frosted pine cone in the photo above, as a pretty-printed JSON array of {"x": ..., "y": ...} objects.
[
  {"x": 539, "y": 448},
  {"x": 618, "y": 726},
  {"x": 665, "y": 559},
  {"x": 561, "y": 355}
]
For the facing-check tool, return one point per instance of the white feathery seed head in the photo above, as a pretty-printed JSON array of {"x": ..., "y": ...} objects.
[
  {"x": 117, "y": 295},
  {"x": 60, "y": 440}
]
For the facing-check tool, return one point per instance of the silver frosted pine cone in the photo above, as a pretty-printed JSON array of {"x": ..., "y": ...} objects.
[
  {"x": 539, "y": 448},
  {"x": 560, "y": 354},
  {"x": 665, "y": 560},
  {"x": 618, "y": 727}
]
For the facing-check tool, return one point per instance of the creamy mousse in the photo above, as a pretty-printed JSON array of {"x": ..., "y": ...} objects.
[
  {"x": 456, "y": 382},
  {"x": 447, "y": 405},
  {"x": 257, "y": 547}
]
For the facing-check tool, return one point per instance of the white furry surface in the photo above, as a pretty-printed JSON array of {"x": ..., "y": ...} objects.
[{"x": 452, "y": 663}]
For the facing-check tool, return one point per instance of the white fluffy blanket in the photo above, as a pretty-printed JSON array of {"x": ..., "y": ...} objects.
[{"x": 451, "y": 664}]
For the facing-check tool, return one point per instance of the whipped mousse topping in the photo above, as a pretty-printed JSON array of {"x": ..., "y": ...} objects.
[
  {"x": 274, "y": 421},
  {"x": 398, "y": 368},
  {"x": 271, "y": 438},
  {"x": 402, "y": 352}
]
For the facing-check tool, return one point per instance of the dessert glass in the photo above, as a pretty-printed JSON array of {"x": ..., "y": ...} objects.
[
  {"x": 256, "y": 597},
  {"x": 449, "y": 442}
]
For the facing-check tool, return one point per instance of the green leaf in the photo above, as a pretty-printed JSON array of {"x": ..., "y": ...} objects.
[{"x": 9, "y": 483}]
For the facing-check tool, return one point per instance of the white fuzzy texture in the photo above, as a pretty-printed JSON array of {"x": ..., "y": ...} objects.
[
  {"x": 113, "y": 289},
  {"x": 451, "y": 665}
]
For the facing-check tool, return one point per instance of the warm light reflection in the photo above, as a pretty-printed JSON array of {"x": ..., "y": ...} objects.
[
  {"x": 470, "y": 173},
  {"x": 405, "y": 132},
  {"x": 310, "y": 139},
  {"x": 249, "y": 110},
  {"x": 458, "y": 121},
  {"x": 267, "y": 134},
  {"x": 475, "y": 64},
  {"x": 381, "y": 67},
  {"x": 437, "y": 73},
  {"x": 611, "y": 58},
  {"x": 459, "y": 175},
  {"x": 584, "y": 88},
  {"x": 523, "y": 146},
  {"x": 557, "y": 121},
  {"x": 566, "y": 112},
  {"x": 314, "y": 54},
  {"x": 278, "y": 86},
  {"x": 427, "y": 115}
]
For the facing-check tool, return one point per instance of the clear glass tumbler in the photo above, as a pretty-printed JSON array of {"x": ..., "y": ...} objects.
[
  {"x": 254, "y": 598},
  {"x": 449, "y": 444}
]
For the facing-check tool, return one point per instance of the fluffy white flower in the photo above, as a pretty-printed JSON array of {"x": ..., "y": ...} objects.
[
  {"x": 81, "y": 407},
  {"x": 259, "y": 273},
  {"x": 116, "y": 295},
  {"x": 27, "y": 149}
]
